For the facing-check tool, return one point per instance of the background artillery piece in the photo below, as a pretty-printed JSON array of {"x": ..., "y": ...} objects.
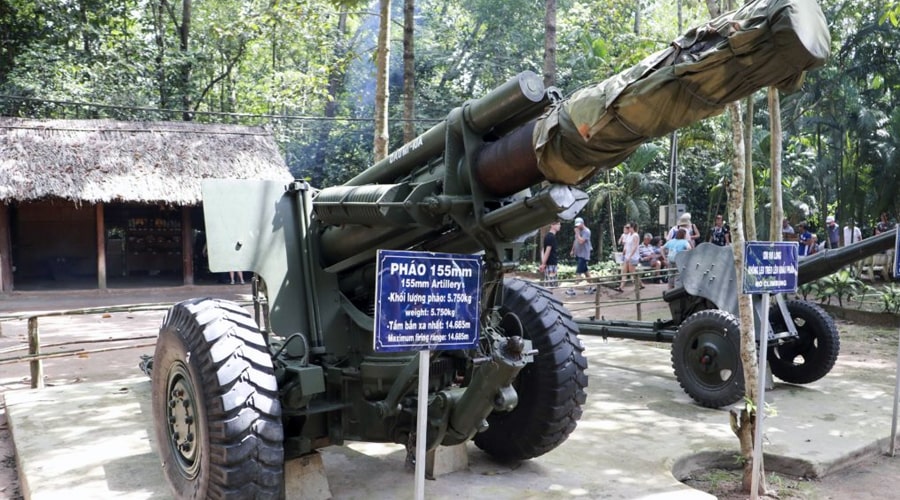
[{"x": 705, "y": 333}]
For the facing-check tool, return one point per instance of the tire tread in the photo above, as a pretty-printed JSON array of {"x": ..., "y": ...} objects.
[
  {"x": 551, "y": 388},
  {"x": 245, "y": 434}
]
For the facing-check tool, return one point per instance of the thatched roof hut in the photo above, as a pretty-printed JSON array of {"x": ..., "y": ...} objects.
[{"x": 105, "y": 161}]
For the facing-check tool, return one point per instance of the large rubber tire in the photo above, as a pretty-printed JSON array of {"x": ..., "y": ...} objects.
[
  {"x": 812, "y": 355},
  {"x": 706, "y": 357},
  {"x": 215, "y": 404},
  {"x": 551, "y": 389}
]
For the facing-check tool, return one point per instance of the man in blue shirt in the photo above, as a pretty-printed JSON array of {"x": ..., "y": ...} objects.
[{"x": 805, "y": 239}]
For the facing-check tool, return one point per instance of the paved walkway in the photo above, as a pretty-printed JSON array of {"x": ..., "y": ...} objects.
[
  {"x": 19, "y": 302},
  {"x": 95, "y": 439}
]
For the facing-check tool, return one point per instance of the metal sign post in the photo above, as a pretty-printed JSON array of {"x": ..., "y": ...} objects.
[
  {"x": 897, "y": 375},
  {"x": 421, "y": 422},
  {"x": 426, "y": 301},
  {"x": 770, "y": 267}
]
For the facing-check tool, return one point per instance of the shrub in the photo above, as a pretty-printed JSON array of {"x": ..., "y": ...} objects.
[{"x": 890, "y": 298}]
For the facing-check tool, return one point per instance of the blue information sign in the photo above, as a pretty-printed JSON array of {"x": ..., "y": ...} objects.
[
  {"x": 426, "y": 300},
  {"x": 770, "y": 266},
  {"x": 897, "y": 255}
]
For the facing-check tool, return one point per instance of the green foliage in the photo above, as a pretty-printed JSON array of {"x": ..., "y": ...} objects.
[
  {"x": 809, "y": 288},
  {"x": 310, "y": 60},
  {"x": 842, "y": 285},
  {"x": 606, "y": 268},
  {"x": 635, "y": 187},
  {"x": 890, "y": 298},
  {"x": 563, "y": 271},
  {"x": 750, "y": 407},
  {"x": 891, "y": 14}
]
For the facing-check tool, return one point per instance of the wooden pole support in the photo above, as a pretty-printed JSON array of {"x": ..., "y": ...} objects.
[{"x": 34, "y": 349}]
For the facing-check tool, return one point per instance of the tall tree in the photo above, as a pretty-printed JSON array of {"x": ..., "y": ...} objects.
[
  {"x": 749, "y": 183},
  {"x": 775, "y": 147},
  {"x": 184, "y": 45},
  {"x": 743, "y": 421},
  {"x": 549, "y": 42},
  {"x": 382, "y": 92},
  {"x": 409, "y": 70}
]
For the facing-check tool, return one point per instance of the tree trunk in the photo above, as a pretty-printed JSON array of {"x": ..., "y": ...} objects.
[
  {"x": 775, "y": 162},
  {"x": 85, "y": 30},
  {"x": 184, "y": 34},
  {"x": 409, "y": 71},
  {"x": 612, "y": 221},
  {"x": 743, "y": 423},
  {"x": 159, "y": 37},
  {"x": 549, "y": 81},
  {"x": 749, "y": 183},
  {"x": 382, "y": 93},
  {"x": 549, "y": 43},
  {"x": 637, "y": 17}
]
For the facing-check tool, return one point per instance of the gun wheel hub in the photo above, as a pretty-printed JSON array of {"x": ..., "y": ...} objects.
[
  {"x": 715, "y": 362},
  {"x": 706, "y": 358},
  {"x": 181, "y": 413}
]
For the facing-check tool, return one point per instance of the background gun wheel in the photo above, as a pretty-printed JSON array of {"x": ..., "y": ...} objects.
[
  {"x": 551, "y": 389},
  {"x": 706, "y": 357},
  {"x": 813, "y": 354},
  {"x": 216, "y": 412}
]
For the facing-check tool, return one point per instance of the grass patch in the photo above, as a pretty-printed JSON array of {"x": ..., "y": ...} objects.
[{"x": 726, "y": 485}]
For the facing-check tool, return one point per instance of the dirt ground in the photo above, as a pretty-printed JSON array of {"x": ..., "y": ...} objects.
[
  {"x": 873, "y": 478},
  {"x": 869, "y": 350},
  {"x": 865, "y": 350}
]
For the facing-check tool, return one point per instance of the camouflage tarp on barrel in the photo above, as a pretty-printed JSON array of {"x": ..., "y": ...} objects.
[{"x": 765, "y": 43}]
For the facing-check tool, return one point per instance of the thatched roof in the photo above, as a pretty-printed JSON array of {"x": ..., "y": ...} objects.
[{"x": 104, "y": 160}]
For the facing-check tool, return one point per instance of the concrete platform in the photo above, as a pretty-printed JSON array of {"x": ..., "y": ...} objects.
[{"x": 95, "y": 440}]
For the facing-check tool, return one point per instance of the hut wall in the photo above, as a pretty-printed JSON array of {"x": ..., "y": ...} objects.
[{"x": 55, "y": 240}]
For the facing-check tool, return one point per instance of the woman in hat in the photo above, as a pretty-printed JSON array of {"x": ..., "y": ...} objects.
[{"x": 690, "y": 229}]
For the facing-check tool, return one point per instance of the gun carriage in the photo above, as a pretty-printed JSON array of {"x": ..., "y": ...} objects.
[{"x": 705, "y": 333}]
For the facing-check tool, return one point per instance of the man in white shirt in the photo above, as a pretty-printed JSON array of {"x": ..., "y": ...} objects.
[{"x": 852, "y": 234}]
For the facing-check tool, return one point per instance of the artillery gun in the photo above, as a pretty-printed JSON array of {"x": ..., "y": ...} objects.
[
  {"x": 232, "y": 401},
  {"x": 705, "y": 333}
]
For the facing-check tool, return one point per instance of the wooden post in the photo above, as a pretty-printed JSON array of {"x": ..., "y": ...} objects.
[
  {"x": 34, "y": 348},
  {"x": 187, "y": 246},
  {"x": 638, "y": 283},
  {"x": 6, "y": 276},
  {"x": 101, "y": 247}
]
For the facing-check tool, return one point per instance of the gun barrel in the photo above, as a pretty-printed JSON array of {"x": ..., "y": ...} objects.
[
  {"x": 519, "y": 99},
  {"x": 464, "y": 185},
  {"x": 823, "y": 263}
]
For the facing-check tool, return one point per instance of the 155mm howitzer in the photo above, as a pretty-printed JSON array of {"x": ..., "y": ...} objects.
[
  {"x": 705, "y": 333},
  {"x": 231, "y": 402}
]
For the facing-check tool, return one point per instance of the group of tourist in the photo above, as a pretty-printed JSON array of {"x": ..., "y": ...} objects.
[
  {"x": 581, "y": 250},
  {"x": 652, "y": 253},
  {"x": 834, "y": 235},
  {"x": 660, "y": 253}
]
